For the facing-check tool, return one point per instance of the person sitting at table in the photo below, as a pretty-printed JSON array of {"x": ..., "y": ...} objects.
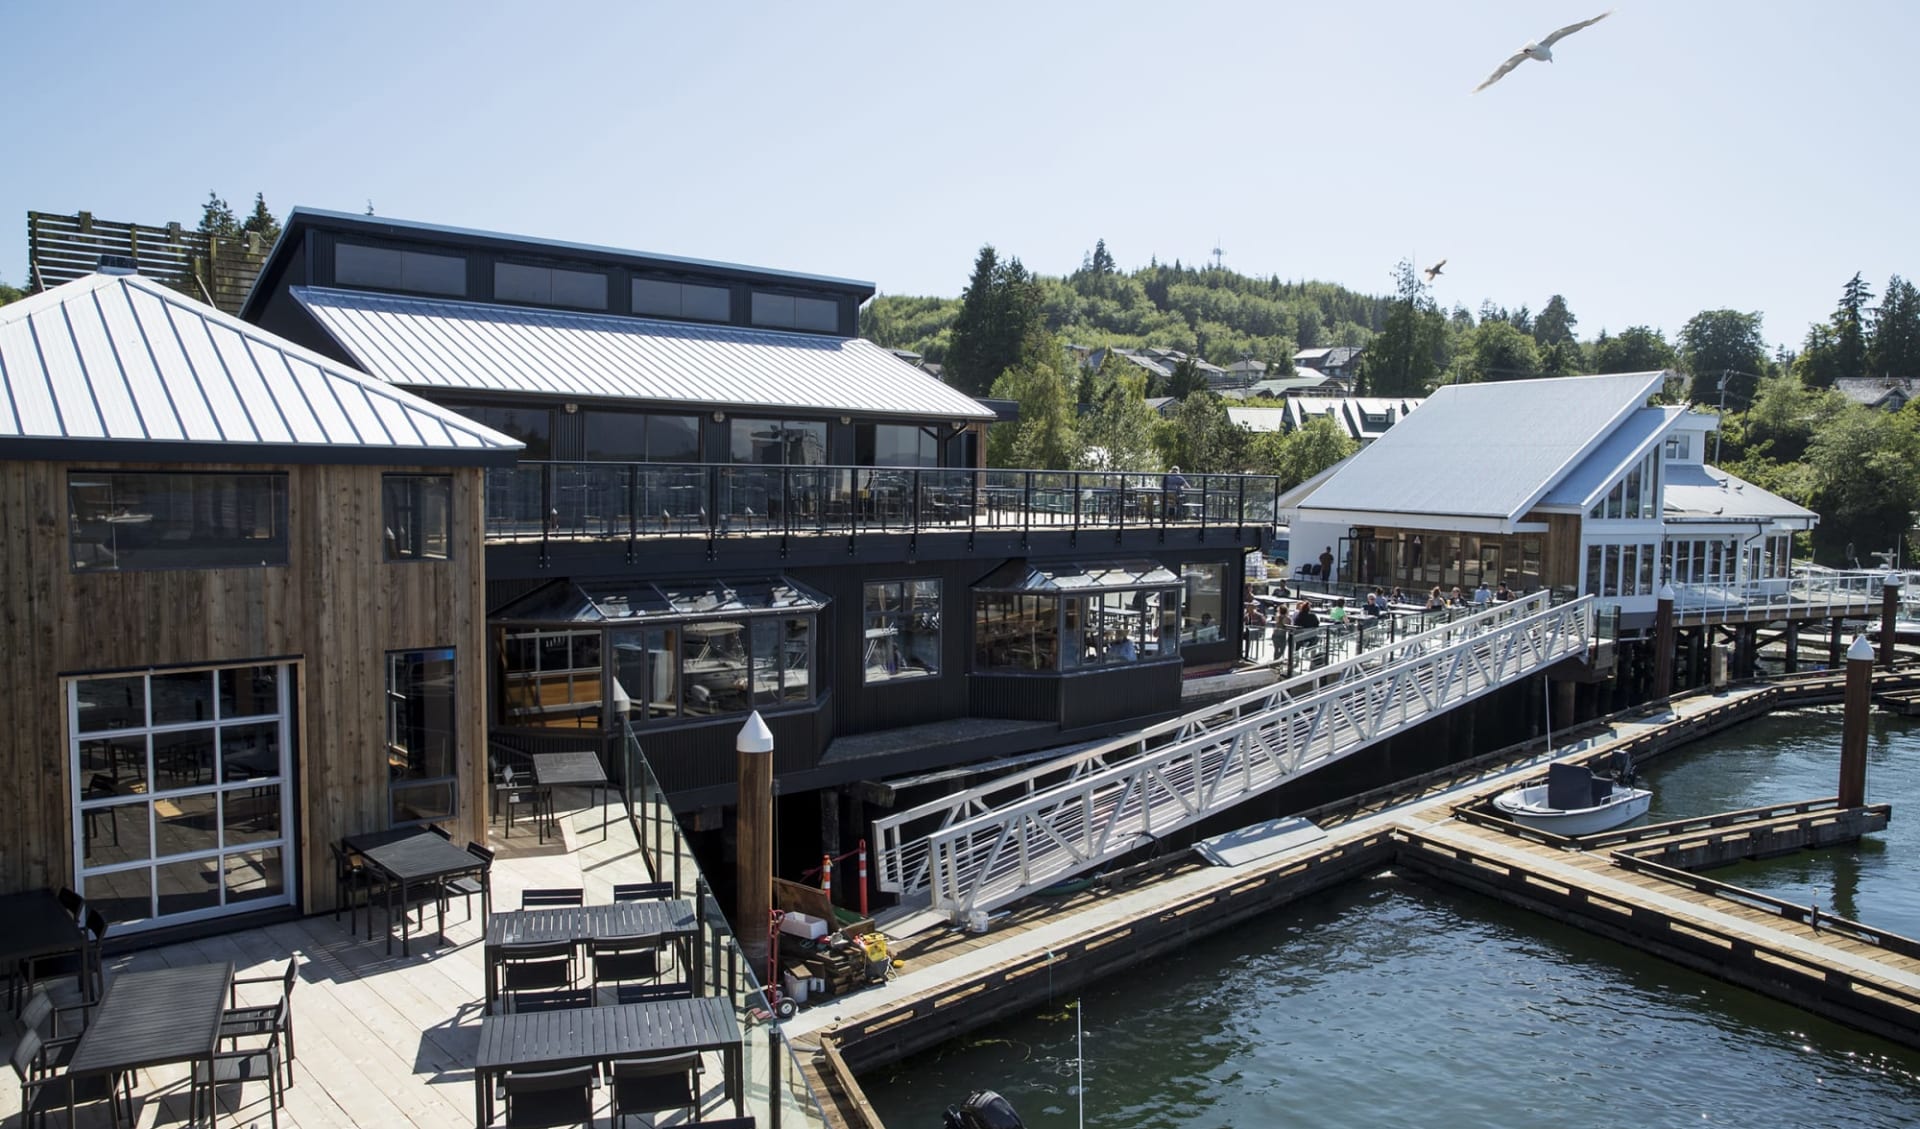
[
  {"x": 1503, "y": 593},
  {"x": 1435, "y": 601},
  {"x": 1398, "y": 596},
  {"x": 1123, "y": 650},
  {"x": 1303, "y": 617},
  {"x": 1458, "y": 599}
]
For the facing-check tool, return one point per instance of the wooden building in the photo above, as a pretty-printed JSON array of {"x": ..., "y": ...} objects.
[
  {"x": 243, "y": 596},
  {"x": 727, "y": 501}
]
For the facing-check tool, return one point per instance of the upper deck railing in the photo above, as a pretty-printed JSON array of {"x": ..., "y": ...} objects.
[
  {"x": 1783, "y": 597},
  {"x": 566, "y": 501}
]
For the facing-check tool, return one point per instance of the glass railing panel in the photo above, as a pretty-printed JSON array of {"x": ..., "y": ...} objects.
[
  {"x": 672, "y": 497},
  {"x": 589, "y": 500},
  {"x": 514, "y": 502}
]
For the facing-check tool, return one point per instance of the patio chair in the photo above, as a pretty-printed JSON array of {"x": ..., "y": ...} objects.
[
  {"x": 42, "y": 1090},
  {"x": 74, "y": 903},
  {"x": 554, "y": 896},
  {"x": 255, "y": 1064},
  {"x": 642, "y": 891},
  {"x": 539, "y": 967},
  {"x": 466, "y": 886},
  {"x": 653, "y": 993},
  {"x": 92, "y": 975},
  {"x": 655, "y": 1085},
  {"x": 512, "y": 792},
  {"x": 265, "y": 1021},
  {"x": 616, "y": 960},
  {"x": 41, "y": 1017},
  {"x": 548, "y": 1098},
  {"x": 353, "y": 885}
]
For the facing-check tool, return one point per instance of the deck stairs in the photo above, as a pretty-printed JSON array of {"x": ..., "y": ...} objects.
[{"x": 976, "y": 850}]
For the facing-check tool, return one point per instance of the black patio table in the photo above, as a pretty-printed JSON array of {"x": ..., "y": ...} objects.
[
  {"x": 551, "y": 1040},
  {"x": 580, "y": 769},
  {"x": 156, "y": 1017},
  {"x": 35, "y": 924},
  {"x": 409, "y": 856},
  {"x": 666, "y": 920}
]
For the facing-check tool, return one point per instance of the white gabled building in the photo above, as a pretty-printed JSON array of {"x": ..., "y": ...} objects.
[{"x": 1577, "y": 483}]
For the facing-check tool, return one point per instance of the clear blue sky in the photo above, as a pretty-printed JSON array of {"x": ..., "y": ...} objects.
[{"x": 1677, "y": 156}]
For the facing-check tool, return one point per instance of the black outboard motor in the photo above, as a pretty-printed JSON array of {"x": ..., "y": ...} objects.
[{"x": 983, "y": 1109}]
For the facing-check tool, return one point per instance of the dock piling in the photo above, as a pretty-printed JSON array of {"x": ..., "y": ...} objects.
[{"x": 1853, "y": 729}]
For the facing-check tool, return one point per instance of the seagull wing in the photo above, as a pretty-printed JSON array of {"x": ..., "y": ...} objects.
[
  {"x": 1571, "y": 28},
  {"x": 1496, "y": 76}
]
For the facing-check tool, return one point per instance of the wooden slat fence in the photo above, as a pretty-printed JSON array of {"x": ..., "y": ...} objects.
[{"x": 215, "y": 270}]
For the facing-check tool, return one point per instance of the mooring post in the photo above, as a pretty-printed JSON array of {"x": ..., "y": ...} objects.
[
  {"x": 753, "y": 866},
  {"x": 1853, "y": 728},
  {"x": 1663, "y": 644},
  {"x": 1889, "y": 611}
]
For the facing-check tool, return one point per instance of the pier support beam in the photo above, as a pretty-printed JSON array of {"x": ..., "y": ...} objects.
[
  {"x": 1853, "y": 727},
  {"x": 1793, "y": 646},
  {"x": 1834, "y": 627},
  {"x": 1663, "y": 645},
  {"x": 753, "y": 868},
  {"x": 1889, "y": 611}
]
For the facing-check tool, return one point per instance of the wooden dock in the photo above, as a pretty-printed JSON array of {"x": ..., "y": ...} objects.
[{"x": 1629, "y": 886}]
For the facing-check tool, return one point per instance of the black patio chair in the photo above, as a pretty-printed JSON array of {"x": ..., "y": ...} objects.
[
  {"x": 653, "y": 993},
  {"x": 554, "y": 896},
  {"x": 353, "y": 885},
  {"x": 43, "y": 1090},
  {"x": 513, "y": 792},
  {"x": 92, "y": 975},
  {"x": 539, "y": 967},
  {"x": 41, "y": 1017},
  {"x": 467, "y": 885},
  {"x": 642, "y": 891},
  {"x": 268, "y": 1020},
  {"x": 617, "y": 960},
  {"x": 655, "y": 1085},
  {"x": 254, "y": 1064},
  {"x": 549, "y": 1098}
]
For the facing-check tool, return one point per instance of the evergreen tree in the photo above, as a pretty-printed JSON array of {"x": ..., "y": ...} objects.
[
  {"x": 216, "y": 217},
  {"x": 1717, "y": 344},
  {"x": 1405, "y": 357},
  {"x": 1500, "y": 351},
  {"x": 1102, "y": 261},
  {"x": 1202, "y": 438},
  {"x": 1555, "y": 323},
  {"x": 260, "y": 221},
  {"x": 1895, "y": 347},
  {"x": 1850, "y": 329},
  {"x": 998, "y": 324}
]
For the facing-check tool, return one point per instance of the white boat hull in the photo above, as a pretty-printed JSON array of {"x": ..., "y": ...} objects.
[{"x": 1528, "y": 807}]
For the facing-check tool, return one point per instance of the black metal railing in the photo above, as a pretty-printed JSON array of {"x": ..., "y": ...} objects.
[{"x": 545, "y": 501}]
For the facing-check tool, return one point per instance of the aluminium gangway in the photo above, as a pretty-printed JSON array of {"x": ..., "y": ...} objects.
[{"x": 981, "y": 848}]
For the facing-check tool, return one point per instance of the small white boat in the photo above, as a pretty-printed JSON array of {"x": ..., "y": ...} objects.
[{"x": 1574, "y": 801}]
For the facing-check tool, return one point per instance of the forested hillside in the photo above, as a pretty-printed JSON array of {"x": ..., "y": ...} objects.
[{"x": 1222, "y": 315}]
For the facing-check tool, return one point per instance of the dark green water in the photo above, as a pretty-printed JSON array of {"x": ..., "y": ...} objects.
[{"x": 1390, "y": 1002}]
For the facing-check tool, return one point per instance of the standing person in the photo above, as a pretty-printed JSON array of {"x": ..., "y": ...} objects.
[
  {"x": 1172, "y": 486},
  {"x": 1326, "y": 565}
]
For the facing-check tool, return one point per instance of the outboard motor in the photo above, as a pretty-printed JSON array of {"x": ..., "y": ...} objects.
[{"x": 983, "y": 1109}]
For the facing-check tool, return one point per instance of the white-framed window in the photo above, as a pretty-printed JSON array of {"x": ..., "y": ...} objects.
[
  {"x": 1634, "y": 495},
  {"x": 902, "y": 636},
  {"x": 182, "y": 791}
]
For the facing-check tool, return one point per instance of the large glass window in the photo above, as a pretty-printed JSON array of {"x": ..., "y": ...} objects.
[
  {"x": 1204, "y": 613},
  {"x": 1016, "y": 632},
  {"x": 530, "y": 425},
  {"x": 181, "y": 800},
  {"x": 895, "y": 444},
  {"x": 1111, "y": 628},
  {"x": 902, "y": 637},
  {"x": 391, "y": 268},
  {"x": 121, "y": 521},
  {"x": 787, "y": 311},
  {"x": 654, "y": 297},
  {"x": 1069, "y": 616},
  {"x": 423, "y": 766},
  {"x": 772, "y": 442},
  {"x": 549, "y": 286},
  {"x": 634, "y": 437},
  {"x": 418, "y": 510},
  {"x": 552, "y": 679}
]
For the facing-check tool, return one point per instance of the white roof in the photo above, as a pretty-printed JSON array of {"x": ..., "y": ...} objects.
[
  {"x": 1486, "y": 450},
  {"x": 117, "y": 366},
  {"x": 1259, "y": 419},
  {"x": 481, "y": 347},
  {"x": 1707, "y": 493}
]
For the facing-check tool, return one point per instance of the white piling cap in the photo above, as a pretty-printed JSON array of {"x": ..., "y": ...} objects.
[
  {"x": 754, "y": 736},
  {"x": 1860, "y": 652},
  {"x": 1666, "y": 593}
]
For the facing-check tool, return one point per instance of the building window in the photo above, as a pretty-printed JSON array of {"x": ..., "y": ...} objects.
[
  {"x": 423, "y": 766},
  {"x": 1679, "y": 447},
  {"x": 637, "y": 437},
  {"x": 786, "y": 311},
  {"x": 902, "y": 630},
  {"x": 1016, "y": 632},
  {"x": 1068, "y": 616},
  {"x": 531, "y": 426},
  {"x": 896, "y": 444},
  {"x": 390, "y": 268},
  {"x": 549, "y": 286},
  {"x": 552, "y": 679},
  {"x": 773, "y": 442},
  {"x": 181, "y": 796},
  {"x": 418, "y": 509},
  {"x": 122, "y": 522},
  {"x": 654, "y": 297},
  {"x": 1204, "y": 613}
]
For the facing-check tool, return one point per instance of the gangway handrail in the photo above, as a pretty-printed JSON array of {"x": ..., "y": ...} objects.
[
  {"x": 994, "y": 857},
  {"x": 895, "y": 856}
]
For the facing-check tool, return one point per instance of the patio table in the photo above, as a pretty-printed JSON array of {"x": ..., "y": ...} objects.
[
  {"x": 157, "y": 1017},
  {"x": 666, "y": 920},
  {"x": 578, "y": 769},
  {"x": 551, "y": 1040},
  {"x": 411, "y": 856},
  {"x": 35, "y": 924}
]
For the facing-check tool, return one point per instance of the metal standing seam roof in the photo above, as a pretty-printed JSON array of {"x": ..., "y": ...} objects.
[
  {"x": 1486, "y": 450},
  {"x": 1628, "y": 444},
  {"x": 117, "y": 366},
  {"x": 482, "y": 347}
]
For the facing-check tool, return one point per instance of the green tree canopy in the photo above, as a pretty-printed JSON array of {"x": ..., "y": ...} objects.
[
  {"x": 1866, "y": 469},
  {"x": 1318, "y": 444},
  {"x": 1046, "y": 436},
  {"x": 216, "y": 217},
  {"x": 1498, "y": 351},
  {"x": 1555, "y": 324},
  {"x": 1716, "y": 344},
  {"x": 1638, "y": 349},
  {"x": 1406, "y": 357},
  {"x": 1117, "y": 427},
  {"x": 998, "y": 325},
  {"x": 1201, "y": 438},
  {"x": 1895, "y": 347},
  {"x": 260, "y": 221}
]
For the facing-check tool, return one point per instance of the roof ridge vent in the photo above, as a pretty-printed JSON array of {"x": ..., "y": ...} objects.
[{"x": 117, "y": 264}]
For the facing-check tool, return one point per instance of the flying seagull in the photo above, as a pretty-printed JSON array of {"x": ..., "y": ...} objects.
[
  {"x": 1542, "y": 50},
  {"x": 1433, "y": 271}
]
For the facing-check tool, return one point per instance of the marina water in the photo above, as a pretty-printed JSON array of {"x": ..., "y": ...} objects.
[{"x": 1392, "y": 1001}]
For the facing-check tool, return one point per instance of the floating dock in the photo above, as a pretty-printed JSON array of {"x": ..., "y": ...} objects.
[{"x": 1635, "y": 886}]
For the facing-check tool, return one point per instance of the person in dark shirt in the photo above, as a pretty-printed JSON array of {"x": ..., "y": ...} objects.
[{"x": 1304, "y": 618}]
